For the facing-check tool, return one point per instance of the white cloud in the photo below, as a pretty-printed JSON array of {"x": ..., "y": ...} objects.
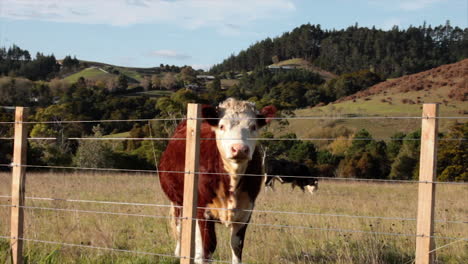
[
  {"x": 191, "y": 14},
  {"x": 170, "y": 54},
  {"x": 405, "y": 5},
  {"x": 412, "y": 5}
]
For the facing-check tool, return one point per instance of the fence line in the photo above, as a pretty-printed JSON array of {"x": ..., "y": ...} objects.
[
  {"x": 85, "y": 211},
  {"x": 253, "y": 118},
  {"x": 97, "y": 202},
  {"x": 245, "y": 174},
  {"x": 333, "y": 229},
  {"x": 424, "y": 237},
  {"x": 226, "y": 209},
  {"x": 237, "y": 222},
  {"x": 258, "y": 139},
  {"x": 108, "y": 249},
  {"x": 101, "y": 202},
  {"x": 151, "y": 253}
]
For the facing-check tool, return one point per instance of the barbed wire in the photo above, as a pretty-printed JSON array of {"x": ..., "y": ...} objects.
[{"x": 241, "y": 174}]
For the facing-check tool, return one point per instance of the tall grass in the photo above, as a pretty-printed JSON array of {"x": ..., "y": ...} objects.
[{"x": 263, "y": 244}]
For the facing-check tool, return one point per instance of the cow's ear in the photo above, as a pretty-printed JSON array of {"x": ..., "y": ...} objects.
[
  {"x": 210, "y": 115},
  {"x": 266, "y": 114}
]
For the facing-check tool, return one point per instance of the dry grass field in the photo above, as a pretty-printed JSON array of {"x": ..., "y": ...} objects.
[{"x": 264, "y": 244}]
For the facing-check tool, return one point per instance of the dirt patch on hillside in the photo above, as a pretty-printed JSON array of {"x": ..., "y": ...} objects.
[{"x": 453, "y": 77}]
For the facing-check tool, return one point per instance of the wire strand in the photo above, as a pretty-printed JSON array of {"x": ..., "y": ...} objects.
[
  {"x": 257, "y": 139},
  {"x": 243, "y": 210},
  {"x": 237, "y": 222},
  {"x": 326, "y": 229},
  {"x": 217, "y": 221},
  {"x": 253, "y": 118},
  {"x": 330, "y": 215},
  {"x": 84, "y": 211},
  {"x": 245, "y": 174},
  {"x": 101, "y": 202},
  {"x": 110, "y": 249}
]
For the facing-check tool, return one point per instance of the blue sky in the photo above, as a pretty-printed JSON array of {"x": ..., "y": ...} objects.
[{"x": 200, "y": 33}]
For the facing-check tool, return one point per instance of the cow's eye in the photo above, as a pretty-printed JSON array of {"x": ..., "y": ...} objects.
[{"x": 221, "y": 127}]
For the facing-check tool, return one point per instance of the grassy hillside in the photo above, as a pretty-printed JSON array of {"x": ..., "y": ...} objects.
[
  {"x": 95, "y": 73},
  {"x": 300, "y": 63},
  {"x": 131, "y": 73},
  {"x": 91, "y": 73},
  {"x": 102, "y": 71},
  {"x": 403, "y": 97}
]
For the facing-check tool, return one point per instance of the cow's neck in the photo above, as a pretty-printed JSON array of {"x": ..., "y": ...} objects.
[{"x": 235, "y": 171}]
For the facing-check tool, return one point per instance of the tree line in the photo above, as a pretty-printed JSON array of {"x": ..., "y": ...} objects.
[
  {"x": 389, "y": 53},
  {"x": 287, "y": 90},
  {"x": 15, "y": 61},
  {"x": 297, "y": 88},
  {"x": 351, "y": 154}
]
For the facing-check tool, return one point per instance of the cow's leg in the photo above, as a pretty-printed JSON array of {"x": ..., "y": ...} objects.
[
  {"x": 311, "y": 188},
  {"x": 273, "y": 184},
  {"x": 269, "y": 183},
  {"x": 237, "y": 239},
  {"x": 176, "y": 227},
  {"x": 199, "y": 258},
  {"x": 279, "y": 179},
  {"x": 208, "y": 239}
]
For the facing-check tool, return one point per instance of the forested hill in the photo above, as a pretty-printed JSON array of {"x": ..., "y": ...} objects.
[{"x": 391, "y": 53}]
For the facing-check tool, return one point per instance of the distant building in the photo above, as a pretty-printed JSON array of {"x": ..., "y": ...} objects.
[
  {"x": 206, "y": 77},
  {"x": 194, "y": 87},
  {"x": 283, "y": 67}
]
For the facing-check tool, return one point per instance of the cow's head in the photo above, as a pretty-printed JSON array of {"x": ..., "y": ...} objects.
[{"x": 236, "y": 125}]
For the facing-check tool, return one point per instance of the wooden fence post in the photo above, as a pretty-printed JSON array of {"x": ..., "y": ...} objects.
[
  {"x": 189, "y": 213},
  {"x": 426, "y": 193},
  {"x": 17, "y": 185}
]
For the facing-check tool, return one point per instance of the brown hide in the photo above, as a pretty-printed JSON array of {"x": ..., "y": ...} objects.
[{"x": 210, "y": 185}]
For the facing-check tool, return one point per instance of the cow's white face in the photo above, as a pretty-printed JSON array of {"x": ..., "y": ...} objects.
[
  {"x": 235, "y": 133},
  {"x": 236, "y": 124}
]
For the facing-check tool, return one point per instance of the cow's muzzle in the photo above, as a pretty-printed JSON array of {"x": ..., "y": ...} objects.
[{"x": 240, "y": 151}]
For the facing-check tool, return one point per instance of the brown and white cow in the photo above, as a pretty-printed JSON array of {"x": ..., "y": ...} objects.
[{"x": 223, "y": 161}]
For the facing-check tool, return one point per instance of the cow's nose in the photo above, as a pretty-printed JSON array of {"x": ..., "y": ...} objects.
[{"x": 240, "y": 150}]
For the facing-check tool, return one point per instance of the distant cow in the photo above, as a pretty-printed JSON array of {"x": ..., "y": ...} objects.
[
  {"x": 221, "y": 181},
  {"x": 286, "y": 171}
]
